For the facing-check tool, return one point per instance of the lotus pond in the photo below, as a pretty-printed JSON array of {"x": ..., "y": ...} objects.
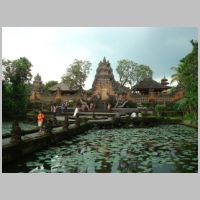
[
  {"x": 7, "y": 126},
  {"x": 162, "y": 149}
]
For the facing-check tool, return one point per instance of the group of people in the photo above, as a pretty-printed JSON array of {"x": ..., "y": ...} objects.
[
  {"x": 83, "y": 108},
  {"x": 63, "y": 107}
]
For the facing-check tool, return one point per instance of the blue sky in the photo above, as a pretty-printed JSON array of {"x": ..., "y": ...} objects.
[{"x": 51, "y": 50}]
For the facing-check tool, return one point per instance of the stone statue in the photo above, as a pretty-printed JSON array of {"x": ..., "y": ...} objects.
[{"x": 16, "y": 132}]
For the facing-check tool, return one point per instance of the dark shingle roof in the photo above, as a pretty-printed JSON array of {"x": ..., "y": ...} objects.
[{"x": 149, "y": 83}]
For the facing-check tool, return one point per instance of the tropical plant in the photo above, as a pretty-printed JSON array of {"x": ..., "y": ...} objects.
[{"x": 187, "y": 75}]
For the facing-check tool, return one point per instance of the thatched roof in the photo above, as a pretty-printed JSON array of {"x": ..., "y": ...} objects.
[
  {"x": 62, "y": 86},
  {"x": 149, "y": 83}
]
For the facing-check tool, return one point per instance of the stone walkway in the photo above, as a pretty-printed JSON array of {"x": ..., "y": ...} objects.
[{"x": 7, "y": 141}]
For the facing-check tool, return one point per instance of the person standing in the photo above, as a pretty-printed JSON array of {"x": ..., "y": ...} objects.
[
  {"x": 66, "y": 105},
  {"x": 40, "y": 119},
  {"x": 76, "y": 111},
  {"x": 54, "y": 109},
  {"x": 109, "y": 108},
  {"x": 62, "y": 107},
  {"x": 91, "y": 106}
]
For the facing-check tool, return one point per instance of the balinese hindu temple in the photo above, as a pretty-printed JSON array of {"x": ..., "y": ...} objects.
[{"x": 105, "y": 87}]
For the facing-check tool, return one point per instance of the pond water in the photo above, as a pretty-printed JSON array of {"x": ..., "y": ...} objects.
[
  {"x": 7, "y": 126},
  {"x": 162, "y": 149}
]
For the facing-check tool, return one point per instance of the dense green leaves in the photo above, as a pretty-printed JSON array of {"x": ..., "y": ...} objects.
[
  {"x": 76, "y": 74},
  {"x": 17, "y": 71},
  {"x": 16, "y": 75},
  {"x": 142, "y": 72},
  {"x": 187, "y": 75},
  {"x": 130, "y": 72},
  {"x": 48, "y": 85},
  {"x": 166, "y": 148},
  {"x": 126, "y": 71}
]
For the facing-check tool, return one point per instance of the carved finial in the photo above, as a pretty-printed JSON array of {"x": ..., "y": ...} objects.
[{"x": 104, "y": 59}]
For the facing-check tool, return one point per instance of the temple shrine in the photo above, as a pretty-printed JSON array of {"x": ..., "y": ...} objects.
[
  {"x": 37, "y": 88},
  {"x": 62, "y": 91},
  {"x": 104, "y": 84},
  {"x": 105, "y": 88}
]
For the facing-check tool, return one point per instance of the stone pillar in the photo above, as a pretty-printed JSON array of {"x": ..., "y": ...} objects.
[
  {"x": 66, "y": 123},
  {"x": 16, "y": 132},
  {"x": 48, "y": 127},
  {"x": 93, "y": 115},
  {"x": 77, "y": 120},
  {"x": 54, "y": 121}
]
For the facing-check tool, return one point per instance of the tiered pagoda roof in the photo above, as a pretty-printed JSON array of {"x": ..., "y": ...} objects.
[
  {"x": 104, "y": 72},
  {"x": 164, "y": 81}
]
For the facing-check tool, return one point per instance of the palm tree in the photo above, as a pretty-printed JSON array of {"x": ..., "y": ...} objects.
[{"x": 177, "y": 76}]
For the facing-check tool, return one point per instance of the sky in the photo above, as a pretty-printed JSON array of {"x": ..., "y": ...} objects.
[{"x": 52, "y": 49}]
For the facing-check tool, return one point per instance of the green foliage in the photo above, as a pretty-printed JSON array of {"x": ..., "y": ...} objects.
[
  {"x": 17, "y": 71},
  {"x": 159, "y": 108},
  {"x": 181, "y": 105},
  {"x": 71, "y": 104},
  {"x": 142, "y": 72},
  {"x": 48, "y": 85},
  {"x": 126, "y": 71},
  {"x": 36, "y": 106},
  {"x": 76, "y": 74},
  {"x": 146, "y": 105},
  {"x": 17, "y": 75},
  {"x": 131, "y": 104},
  {"x": 131, "y": 72},
  {"x": 191, "y": 118},
  {"x": 187, "y": 75}
]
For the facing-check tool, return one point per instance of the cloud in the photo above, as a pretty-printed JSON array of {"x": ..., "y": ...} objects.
[{"x": 51, "y": 50}]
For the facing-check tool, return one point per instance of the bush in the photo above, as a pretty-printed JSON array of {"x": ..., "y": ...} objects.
[
  {"x": 130, "y": 104},
  {"x": 159, "y": 108},
  {"x": 34, "y": 105},
  {"x": 146, "y": 105},
  {"x": 191, "y": 119}
]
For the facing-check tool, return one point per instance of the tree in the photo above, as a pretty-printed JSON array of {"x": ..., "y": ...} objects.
[
  {"x": 48, "y": 85},
  {"x": 76, "y": 74},
  {"x": 131, "y": 72},
  {"x": 126, "y": 70},
  {"x": 142, "y": 72},
  {"x": 187, "y": 75},
  {"x": 17, "y": 71},
  {"x": 176, "y": 77},
  {"x": 16, "y": 75}
]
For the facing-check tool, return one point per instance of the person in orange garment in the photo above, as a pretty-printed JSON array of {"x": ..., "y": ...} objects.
[{"x": 40, "y": 119}]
